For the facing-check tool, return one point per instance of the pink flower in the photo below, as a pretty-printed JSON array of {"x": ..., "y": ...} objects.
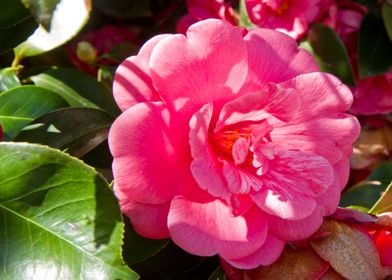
[
  {"x": 229, "y": 142},
  {"x": 204, "y": 9},
  {"x": 373, "y": 95},
  {"x": 288, "y": 16}
]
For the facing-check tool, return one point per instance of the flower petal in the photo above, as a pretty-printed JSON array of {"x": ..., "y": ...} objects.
[
  {"x": 146, "y": 154},
  {"x": 207, "y": 229},
  {"x": 288, "y": 230},
  {"x": 208, "y": 65},
  {"x": 148, "y": 220},
  {"x": 265, "y": 255},
  {"x": 132, "y": 83},
  {"x": 274, "y": 57}
]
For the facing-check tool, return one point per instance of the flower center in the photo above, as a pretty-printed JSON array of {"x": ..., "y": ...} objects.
[
  {"x": 224, "y": 141},
  {"x": 283, "y": 7}
]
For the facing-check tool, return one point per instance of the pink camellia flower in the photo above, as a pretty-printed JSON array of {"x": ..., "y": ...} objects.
[
  {"x": 204, "y": 9},
  {"x": 229, "y": 142},
  {"x": 373, "y": 95},
  {"x": 288, "y": 16}
]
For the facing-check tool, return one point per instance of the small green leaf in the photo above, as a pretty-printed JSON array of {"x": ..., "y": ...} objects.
[
  {"x": 330, "y": 52},
  {"x": 375, "y": 47},
  {"x": 16, "y": 24},
  {"x": 59, "y": 219},
  {"x": 77, "y": 88},
  {"x": 387, "y": 17},
  {"x": 367, "y": 193},
  {"x": 384, "y": 204},
  {"x": 67, "y": 20},
  {"x": 124, "y": 8},
  {"x": 78, "y": 130},
  {"x": 244, "y": 17},
  {"x": 21, "y": 105},
  {"x": 42, "y": 10},
  {"x": 8, "y": 79}
]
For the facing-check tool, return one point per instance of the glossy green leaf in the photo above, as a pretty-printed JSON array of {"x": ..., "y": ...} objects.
[
  {"x": 16, "y": 24},
  {"x": 330, "y": 52},
  {"x": 375, "y": 47},
  {"x": 124, "y": 8},
  {"x": 387, "y": 17},
  {"x": 367, "y": 193},
  {"x": 67, "y": 20},
  {"x": 77, "y": 130},
  {"x": 384, "y": 204},
  {"x": 42, "y": 10},
  {"x": 8, "y": 79},
  {"x": 77, "y": 88},
  {"x": 21, "y": 105},
  {"x": 59, "y": 219},
  {"x": 137, "y": 248}
]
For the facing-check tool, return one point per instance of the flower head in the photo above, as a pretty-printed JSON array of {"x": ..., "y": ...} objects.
[
  {"x": 229, "y": 142},
  {"x": 288, "y": 16}
]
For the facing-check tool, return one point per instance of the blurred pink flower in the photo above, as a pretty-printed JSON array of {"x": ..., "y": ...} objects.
[
  {"x": 88, "y": 50},
  {"x": 291, "y": 17},
  {"x": 373, "y": 95},
  {"x": 204, "y": 9},
  {"x": 229, "y": 142}
]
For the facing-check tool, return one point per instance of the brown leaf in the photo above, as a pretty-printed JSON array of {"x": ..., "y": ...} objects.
[{"x": 349, "y": 251}]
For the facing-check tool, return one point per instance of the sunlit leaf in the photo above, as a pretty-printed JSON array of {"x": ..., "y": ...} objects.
[
  {"x": 384, "y": 204},
  {"x": 8, "y": 79},
  {"x": 42, "y": 10},
  {"x": 59, "y": 219},
  {"x": 67, "y": 20},
  {"x": 78, "y": 130},
  {"x": 244, "y": 17},
  {"x": 375, "y": 47},
  {"x": 21, "y": 105},
  {"x": 330, "y": 52},
  {"x": 349, "y": 251},
  {"x": 77, "y": 88}
]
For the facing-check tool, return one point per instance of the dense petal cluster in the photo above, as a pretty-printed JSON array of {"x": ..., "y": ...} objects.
[
  {"x": 230, "y": 142},
  {"x": 292, "y": 17}
]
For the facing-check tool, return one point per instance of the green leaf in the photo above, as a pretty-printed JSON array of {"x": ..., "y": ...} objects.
[
  {"x": 59, "y": 219},
  {"x": 124, "y": 8},
  {"x": 42, "y": 10},
  {"x": 21, "y": 105},
  {"x": 138, "y": 248},
  {"x": 384, "y": 204},
  {"x": 367, "y": 193},
  {"x": 16, "y": 24},
  {"x": 244, "y": 17},
  {"x": 67, "y": 20},
  {"x": 8, "y": 79},
  {"x": 77, "y": 88},
  {"x": 387, "y": 17},
  {"x": 330, "y": 53},
  {"x": 78, "y": 130},
  {"x": 375, "y": 47}
]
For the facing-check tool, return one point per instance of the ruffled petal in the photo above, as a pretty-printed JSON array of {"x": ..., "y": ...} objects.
[
  {"x": 207, "y": 229},
  {"x": 132, "y": 82},
  {"x": 148, "y": 220},
  {"x": 146, "y": 154},
  {"x": 209, "y": 65},
  {"x": 265, "y": 255}
]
